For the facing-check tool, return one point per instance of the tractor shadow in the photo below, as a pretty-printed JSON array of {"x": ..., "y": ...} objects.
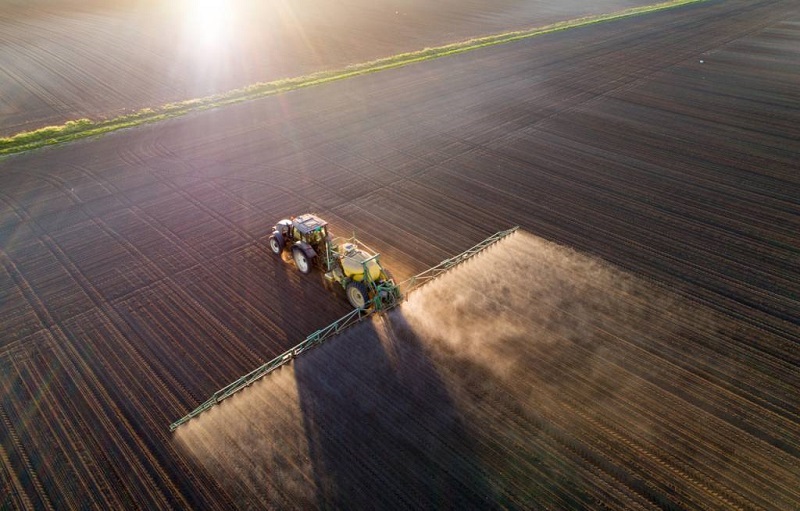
[{"x": 383, "y": 431}]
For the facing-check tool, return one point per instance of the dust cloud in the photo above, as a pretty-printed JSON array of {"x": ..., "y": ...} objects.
[
  {"x": 525, "y": 302},
  {"x": 529, "y": 376},
  {"x": 253, "y": 444}
]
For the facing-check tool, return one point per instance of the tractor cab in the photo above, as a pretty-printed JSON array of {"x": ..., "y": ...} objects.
[
  {"x": 307, "y": 238},
  {"x": 309, "y": 228},
  {"x": 304, "y": 229}
]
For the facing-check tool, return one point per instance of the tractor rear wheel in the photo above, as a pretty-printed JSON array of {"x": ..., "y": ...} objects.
[
  {"x": 275, "y": 244},
  {"x": 301, "y": 260},
  {"x": 387, "y": 275},
  {"x": 357, "y": 294}
]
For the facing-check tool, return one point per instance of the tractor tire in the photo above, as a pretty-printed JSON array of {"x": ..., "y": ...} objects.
[
  {"x": 357, "y": 294},
  {"x": 301, "y": 260},
  {"x": 276, "y": 244},
  {"x": 387, "y": 275}
]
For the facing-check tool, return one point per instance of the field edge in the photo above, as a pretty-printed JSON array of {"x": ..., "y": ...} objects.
[{"x": 84, "y": 128}]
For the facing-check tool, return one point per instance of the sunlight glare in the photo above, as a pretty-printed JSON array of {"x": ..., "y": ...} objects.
[{"x": 208, "y": 22}]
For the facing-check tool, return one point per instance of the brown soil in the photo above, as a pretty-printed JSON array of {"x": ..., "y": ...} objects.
[
  {"x": 63, "y": 60},
  {"x": 135, "y": 280}
]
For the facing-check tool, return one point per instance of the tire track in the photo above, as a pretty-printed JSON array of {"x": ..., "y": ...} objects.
[
  {"x": 81, "y": 280},
  {"x": 695, "y": 227}
]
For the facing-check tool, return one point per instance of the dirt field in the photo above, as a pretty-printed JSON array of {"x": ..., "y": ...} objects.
[
  {"x": 135, "y": 281},
  {"x": 63, "y": 60}
]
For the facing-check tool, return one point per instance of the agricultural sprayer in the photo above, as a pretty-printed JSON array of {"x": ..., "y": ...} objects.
[
  {"x": 347, "y": 262},
  {"x": 369, "y": 287}
]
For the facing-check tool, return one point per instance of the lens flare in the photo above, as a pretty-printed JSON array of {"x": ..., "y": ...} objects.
[{"x": 209, "y": 22}]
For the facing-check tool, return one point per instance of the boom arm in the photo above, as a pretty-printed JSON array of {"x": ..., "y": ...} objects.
[{"x": 340, "y": 324}]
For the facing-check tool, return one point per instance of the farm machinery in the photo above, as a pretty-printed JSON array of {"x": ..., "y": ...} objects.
[
  {"x": 344, "y": 261},
  {"x": 369, "y": 287}
]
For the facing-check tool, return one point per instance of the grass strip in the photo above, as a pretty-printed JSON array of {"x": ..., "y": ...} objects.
[{"x": 82, "y": 128}]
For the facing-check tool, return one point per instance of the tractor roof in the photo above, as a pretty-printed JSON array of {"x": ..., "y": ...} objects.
[{"x": 308, "y": 223}]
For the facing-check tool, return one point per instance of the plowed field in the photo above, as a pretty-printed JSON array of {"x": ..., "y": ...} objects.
[
  {"x": 67, "y": 59},
  {"x": 652, "y": 364}
]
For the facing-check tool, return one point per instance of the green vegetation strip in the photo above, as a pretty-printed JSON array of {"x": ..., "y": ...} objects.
[{"x": 82, "y": 128}]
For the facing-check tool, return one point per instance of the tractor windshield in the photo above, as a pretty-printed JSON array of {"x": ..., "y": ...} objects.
[{"x": 317, "y": 235}]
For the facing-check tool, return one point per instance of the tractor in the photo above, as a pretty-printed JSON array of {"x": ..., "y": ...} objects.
[{"x": 365, "y": 282}]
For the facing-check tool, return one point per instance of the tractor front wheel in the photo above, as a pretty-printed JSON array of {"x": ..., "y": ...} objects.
[
  {"x": 301, "y": 260},
  {"x": 275, "y": 244},
  {"x": 357, "y": 294}
]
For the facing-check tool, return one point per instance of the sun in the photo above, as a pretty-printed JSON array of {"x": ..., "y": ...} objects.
[{"x": 208, "y": 22}]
